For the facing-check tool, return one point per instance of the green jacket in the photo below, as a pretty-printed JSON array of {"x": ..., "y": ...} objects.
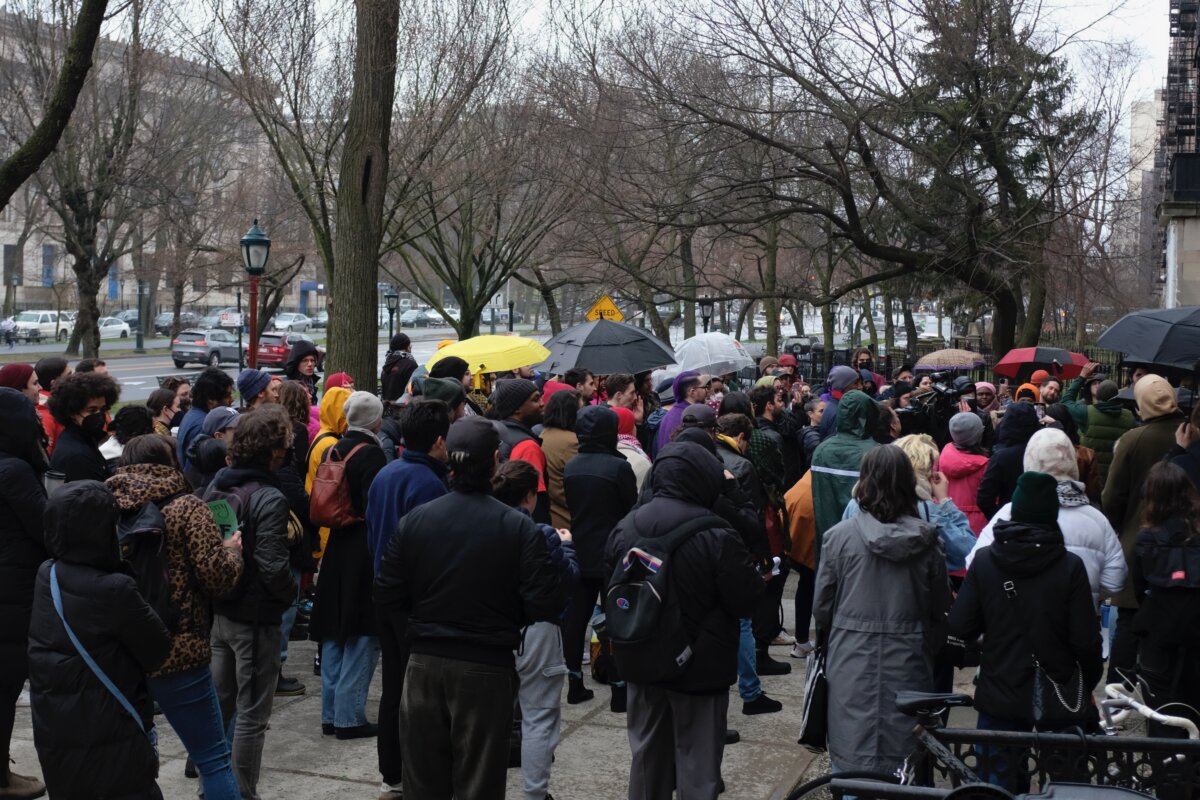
[
  {"x": 1136, "y": 452},
  {"x": 1078, "y": 409},
  {"x": 1107, "y": 421},
  {"x": 836, "y": 460}
]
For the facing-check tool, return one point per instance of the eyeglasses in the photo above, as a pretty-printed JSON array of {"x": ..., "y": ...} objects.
[{"x": 706, "y": 385}]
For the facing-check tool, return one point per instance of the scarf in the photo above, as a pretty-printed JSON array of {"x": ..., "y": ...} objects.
[
  {"x": 630, "y": 440},
  {"x": 1072, "y": 494},
  {"x": 366, "y": 432}
]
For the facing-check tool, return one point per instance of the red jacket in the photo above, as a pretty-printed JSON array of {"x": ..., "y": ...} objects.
[{"x": 964, "y": 473}]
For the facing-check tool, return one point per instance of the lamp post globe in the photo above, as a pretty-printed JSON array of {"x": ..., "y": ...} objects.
[
  {"x": 392, "y": 301},
  {"x": 706, "y": 310},
  {"x": 256, "y": 247}
]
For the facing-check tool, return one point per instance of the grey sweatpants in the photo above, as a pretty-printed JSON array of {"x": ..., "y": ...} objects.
[
  {"x": 540, "y": 668},
  {"x": 677, "y": 742}
]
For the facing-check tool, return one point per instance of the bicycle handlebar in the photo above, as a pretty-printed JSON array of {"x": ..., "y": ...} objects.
[{"x": 1122, "y": 698}]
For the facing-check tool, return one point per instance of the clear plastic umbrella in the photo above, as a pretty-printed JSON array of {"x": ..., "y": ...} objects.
[{"x": 715, "y": 353}]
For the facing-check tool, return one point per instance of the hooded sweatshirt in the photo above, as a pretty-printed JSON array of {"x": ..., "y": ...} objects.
[
  {"x": 600, "y": 487},
  {"x": 1019, "y": 422},
  {"x": 964, "y": 472},
  {"x": 301, "y": 350},
  {"x": 837, "y": 459},
  {"x": 674, "y": 416}
]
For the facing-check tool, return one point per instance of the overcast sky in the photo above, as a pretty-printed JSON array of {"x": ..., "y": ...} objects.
[{"x": 1144, "y": 22}]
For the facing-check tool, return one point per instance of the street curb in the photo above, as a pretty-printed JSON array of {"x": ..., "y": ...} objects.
[{"x": 795, "y": 777}]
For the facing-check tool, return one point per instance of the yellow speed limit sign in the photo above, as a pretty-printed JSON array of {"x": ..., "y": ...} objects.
[{"x": 605, "y": 308}]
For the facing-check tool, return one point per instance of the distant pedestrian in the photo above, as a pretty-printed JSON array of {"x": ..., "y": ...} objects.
[
  {"x": 79, "y": 403},
  {"x": 213, "y": 388}
]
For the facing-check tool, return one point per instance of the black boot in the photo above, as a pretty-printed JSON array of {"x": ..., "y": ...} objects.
[
  {"x": 617, "y": 703},
  {"x": 765, "y": 665},
  {"x": 576, "y": 691}
]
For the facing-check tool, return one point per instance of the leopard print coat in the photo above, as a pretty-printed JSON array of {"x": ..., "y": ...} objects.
[{"x": 201, "y": 567}]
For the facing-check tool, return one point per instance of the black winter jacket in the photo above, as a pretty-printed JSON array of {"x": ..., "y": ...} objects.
[
  {"x": 88, "y": 746},
  {"x": 712, "y": 575},
  {"x": 77, "y": 456},
  {"x": 22, "y": 499},
  {"x": 291, "y": 482},
  {"x": 398, "y": 367},
  {"x": 1166, "y": 576},
  {"x": 1052, "y": 615},
  {"x": 469, "y": 572},
  {"x": 266, "y": 588},
  {"x": 1007, "y": 462},
  {"x": 600, "y": 487}
]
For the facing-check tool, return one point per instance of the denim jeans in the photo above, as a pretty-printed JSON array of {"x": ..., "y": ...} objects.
[
  {"x": 346, "y": 671},
  {"x": 1000, "y": 772},
  {"x": 189, "y": 702},
  {"x": 289, "y": 619},
  {"x": 245, "y": 669},
  {"x": 749, "y": 686}
]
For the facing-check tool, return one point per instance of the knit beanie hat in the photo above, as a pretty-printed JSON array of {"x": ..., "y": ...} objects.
[
  {"x": 510, "y": 394},
  {"x": 1155, "y": 397},
  {"x": 1039, "y": 377},
  {"x": 966, "y": 429},
  {"x": 841, "y": 377},
  {"x": 472, "y": 439},
  {"x": 551, "y": 388},
  {"x": 337, "y": 379},
  {"x": 625, "y": 422},
  {"x": 449, "y": 391},
  {"x": 1035, "y": 500},
  {"x": 1027, "y": 391},
  {"x": 15, "y": 376},
  {"x": 449, "y": 367},
  {"x": 363, "y": 410},
  {"x": 1050, "y": 451},
  {"x": 251, "y": 382},
  {"x": 1107, "y": 390},
  {"x": 767, "y": 381},
  {"x": 787, "y": 360},
  {"x": 765, "y": 363}
]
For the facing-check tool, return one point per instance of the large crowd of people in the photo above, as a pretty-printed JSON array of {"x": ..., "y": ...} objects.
[{"x": 472, "y": 537}]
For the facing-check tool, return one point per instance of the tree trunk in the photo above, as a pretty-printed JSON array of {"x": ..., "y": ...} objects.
[
  {"x": 910, "y": 330},
  {"x": 889, "y": 324},
  {"x": 1035, "y": 312},
  {"x": 1004, "y": 323},
  {"x": 872, "y": 331},
  {"x": 362, "y": 184},
  {"x": 688, "y": 264},
  {"x": 547, "y": 295},
  {"x": 770, "y": 302},
  {"x": 744, "y": 312},
  {"x": 85, "y": 337},
  {"x": 827, "y": 330}
]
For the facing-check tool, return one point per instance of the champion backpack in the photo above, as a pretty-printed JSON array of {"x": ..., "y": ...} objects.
[
  {"x": 643, "y": 619},
  {"x": 142, "y": 538},
  {"x": 329, "y": 503}
]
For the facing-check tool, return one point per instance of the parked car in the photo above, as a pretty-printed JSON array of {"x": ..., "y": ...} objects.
[
  {"x": 212, "y": 347},
  {"x": 501, "y": 316},
  {"x": 291, "y": 322},
  {"x": 163, "y": 322},
  {"x": 320, "y": 320},
  {"x": 414, "y": 318},
  {"x": 273, "y": 349},
  {"x": 113, "y": 328},
  {"x": 129, "y": 315},
  {"x": 36, "y": 326}
]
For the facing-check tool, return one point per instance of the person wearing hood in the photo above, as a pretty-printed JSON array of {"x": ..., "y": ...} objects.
[
  {"x": 333, "y": 425},
  {"x": 398, "y": 367},
  {"x": 601, "y": 489},
  {"x": 457, "y": 369},
  {"x": 677, "y": 727},
  {"x": 842, "y": 379},
  {"x": 881, "y": 600},
  {"x": 247, "y": 621},
  {"x": 1030, "y": 599},
  {"x": 836, "y": 461},
  {"x": 963, "y": 462},
  {"x": 201, "y": 566},
  {"x": 1107, "y": 421},
  {"x": 630, "y": 446},
  {"x": 1134, "y": 454},
  {"x": 88, "y": 745},
  {"x": 214, "y": 388},
  {"x": 22, "y": 551},
  {"x": 1019, "y": 423},
  {"x": 80, "y": 403},
  {"x": 343, "y": 615},
  {"x": 301, "y": 366},
  {"x": 688, "y": 388},
  {"x": 1086, "y": 532}
]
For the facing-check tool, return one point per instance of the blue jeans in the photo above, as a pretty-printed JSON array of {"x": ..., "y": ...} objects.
[
  {"x": 346, "y": 671},
  {"x": 1000, "y": 772},
  {"x": 749, "y": 686},
  {"x": 189, "y": 702},
  {"x": 289, "y": 618}
]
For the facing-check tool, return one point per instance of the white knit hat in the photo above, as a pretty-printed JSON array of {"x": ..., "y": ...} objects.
[{"x": 1050, "y": 451}]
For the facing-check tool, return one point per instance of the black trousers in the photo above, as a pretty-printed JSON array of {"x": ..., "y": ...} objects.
[
  {"x": 456, "y": 718},
  {"x": 767, "y": 621},
  {"x": 806, "y": 586},
  {"x": 579, "y": 613},
  {"x": 14, "y": 669},
  {"x": 394, "y": 653}
]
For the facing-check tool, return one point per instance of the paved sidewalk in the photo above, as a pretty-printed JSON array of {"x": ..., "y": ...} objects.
[{"x": 592, "y": 762}]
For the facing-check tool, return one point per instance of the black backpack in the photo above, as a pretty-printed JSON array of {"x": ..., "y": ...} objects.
[
  {"x": 142, "y": 537},
  {"x": 643, "y": 619}
]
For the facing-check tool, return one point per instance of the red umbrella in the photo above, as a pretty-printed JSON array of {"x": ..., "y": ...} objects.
[{"x": 1019, "y": 364}]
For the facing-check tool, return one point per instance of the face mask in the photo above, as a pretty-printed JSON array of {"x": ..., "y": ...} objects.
[
  {"x": 93, "y": 426},
  {"x": 185, "y": 403}
]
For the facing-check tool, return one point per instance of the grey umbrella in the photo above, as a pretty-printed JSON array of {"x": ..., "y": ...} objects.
[{"x": 605, "y": 348}]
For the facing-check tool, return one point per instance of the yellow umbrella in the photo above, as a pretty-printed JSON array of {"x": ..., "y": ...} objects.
[{"x": 493, "y": 353}]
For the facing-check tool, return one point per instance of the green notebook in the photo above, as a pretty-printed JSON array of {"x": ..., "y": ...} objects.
[{"x": 225, "y": 518}]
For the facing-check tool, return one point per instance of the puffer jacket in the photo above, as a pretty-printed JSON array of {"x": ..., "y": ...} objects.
[
  {"x": 600, "y": 487},
  {"x": 964, "y": 473},
  {"x": 200, "y": 566},
  {"x": 1086, "y": 533},
  {"x": 1019, "y": 423},
  {"x": 22, "y": 499},
  {"x": 87, "y": 745},
  {"x": 836, "y": 461},
  {"x": 301, "y": 350},
  {"x": 712, "y": 575},
  {"x": 1106, "y": 422}
]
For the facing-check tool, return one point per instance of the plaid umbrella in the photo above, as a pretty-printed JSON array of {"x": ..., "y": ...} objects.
[{"x": 949, "y": 359}]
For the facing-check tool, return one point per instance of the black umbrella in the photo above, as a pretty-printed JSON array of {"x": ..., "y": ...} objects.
[
  {"x": 1165, "y": 337},
  {"x": 605, "y": 348}
]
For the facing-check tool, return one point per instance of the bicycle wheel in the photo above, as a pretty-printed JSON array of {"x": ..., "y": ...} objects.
[{"x": 818, "y": 789}]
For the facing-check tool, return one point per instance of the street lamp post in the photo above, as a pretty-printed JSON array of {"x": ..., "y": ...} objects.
[
  {"x": 706, "y": 310},
  {"x": 393, "y": 302},
  {"x": 256, "y": 247},
  {"x": 140, "y": 342}
]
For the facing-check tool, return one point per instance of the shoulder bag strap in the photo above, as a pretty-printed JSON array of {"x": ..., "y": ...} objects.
[
  {"x": 311, "y": 447},
  {"x": 56, "y": 596},
  {"x": 667, "y": 543},
  {"x": 1009, "y": 587}
]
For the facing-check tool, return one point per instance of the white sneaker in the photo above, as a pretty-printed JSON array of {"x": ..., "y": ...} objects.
[
  {"x": 801, "y": 649},
  {"x": 587, "y": 656},
  {"x": 783, "y": 638},
  {"x": 389, "y": 792}
]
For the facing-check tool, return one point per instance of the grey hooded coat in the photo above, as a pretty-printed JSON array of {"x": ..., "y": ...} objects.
[{"x": 882, "y": 599}]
